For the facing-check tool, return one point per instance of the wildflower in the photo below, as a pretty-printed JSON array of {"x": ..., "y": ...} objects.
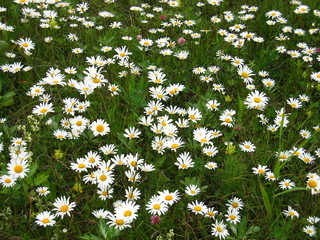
[
  {"x": 45, "y": 219},
  {"x": 310, "y": 230},
  {"x": 155, "y": 220},
  {"x": 291, "y": 213},
  {"x": 43, "y": 191},
  {"x": 286, "y": 184},
  {"x": 156, "y": 206},
  {"x": 247, "y": 146},
  {"x": 219, "y": 229},
  {"x": 100, "y": 127},
  {"x": 18, "y": 168},
  {"x": 8, "y": 180},
  {"x": 132, "y": 133},
  {"x": 260, "y": 170},
  {"x": 198, "y": 207},
  {"x": 169, "y": 197},
  {"x": 101, "y": 213},
  {"x": 233, "y": 216},
  {"x": 192, "y": 190},
  {"x": 63, "y": 206}
]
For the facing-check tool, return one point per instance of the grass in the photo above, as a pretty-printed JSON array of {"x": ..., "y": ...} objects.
[{"x": 50, "y": 158}]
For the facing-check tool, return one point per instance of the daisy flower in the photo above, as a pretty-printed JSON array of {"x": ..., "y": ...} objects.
[
  {"x": 260, "y": 170},
  {"x": 101, "y": 213},
  {"x": 245, "y": 72},
  {"x": 256, "y": 100},
  {"x": 128, "y": 210},
  {"x": 310, "y": 230},
  {"x": 81, "y": 165},
  {"x": 233, "y": 216},
  {"x": 235, "y": 203},
  {"x": 219, "y": 229},
  {"x": 211, "y": 213},
  {"x": 211, "y": 165},
  {"x": 131, "y": 133},
  {"x": 247, "y": 146},
  {"x": 132, "y": 194},
  {"x": 43, "y": 191},
  {"x": 8, "y": 180},
  {"x": 18, "y": 168},
  {"x": 45, "y": 219},
  {"x": 305, "y": 133},
  {"x": 198, "y": 207},
  {"x": 43, "y": 108},
  {"x": 169, "y": 197},
  {"x": 63, "y": 206},
  {"x": 184, "y": 161},
  {"x": 118, "y": 223},
  {"x": 156, "y": 206},
  {"x": 100, "y": 127},
  {"x": 26, "y": 44},
  {"x": 286, "y": 184},
  {"x": 291, "y": 213},
  {"x": 192, "y": 190}
]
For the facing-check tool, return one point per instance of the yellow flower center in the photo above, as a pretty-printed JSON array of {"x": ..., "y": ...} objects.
[
  {"x": 260, "y": 171},
  {"x": 18, "y": 169},
  {"x": 119, "y": 222},
  {"x": 79, "y": 123},
  {"x": 204, "y": 140},
  {"x": 235, "y": 205},
  {"x": 104, "y": 193},
  {"x": 7, "y": 180},
  {"x": 46, "y": 220},
  {"x": 43, "y": 191},
  {"x": 184, "y": 166},
  {"x": 103, "y": 177},
  {"x": 133, "y": 163},
  {"x": 306, "y": 160},
  {"x": 156, "y": 206},
  {"x": 192, "y": 191},
  {"x": 127, "y": 213},
  {"x": 228, "y": 120},
  {"x": 122, "y": 54},
  {"x": 175, "y": 145},
  {"x": 291, "y": 213},
  {"x": 247, "y": 146},
  {"x": 96, "y": 80},
  {"x": 44, "y": 110},
  {"x": 100, "y": 128},
  {"x": 219, "y": 229},
  {"x": 130, "y": 195},
  {"x": 245, "y": 74},
  {"x": 197, "y": 208},
  {"x": 192, "y": 117},
  {"x": 131, "y": 135},
  {"x": 312, "y": 184},
  {"x": 25, "y": 45},
  {"x": 257, "y": 99},
  {"x": 287, "y": 184},
  {"x": 64, "y": 208},
  {"x": 168, "y": 197},
  {"x": 210, "y": 213},
  {"x": 232, "y": 217},
  {"x": 92, "y": 160},
  {"x": 81, "y": 165}
]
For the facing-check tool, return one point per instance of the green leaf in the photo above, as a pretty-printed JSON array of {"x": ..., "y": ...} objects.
[
  {"x": 266, "y": 200},
  {"x": 7, "y": 99},
  {"x": 290, "y": 190},
  {"x": 41, "y": 178}
]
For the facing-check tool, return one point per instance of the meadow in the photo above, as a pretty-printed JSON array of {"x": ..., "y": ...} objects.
[{"x": 159, "y": 119}]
